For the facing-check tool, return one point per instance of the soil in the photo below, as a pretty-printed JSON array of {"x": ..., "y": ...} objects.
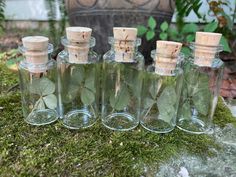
[{"x": 9, "y": 41}]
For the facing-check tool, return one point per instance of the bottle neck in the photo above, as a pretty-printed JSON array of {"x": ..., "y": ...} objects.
[
  {"x": 205, "y": 55},
  {"x": 78, "y": 52},
  {"x": 124, "y": 50},
  {"x": 166, "y": 64},
  {"x": 36, "y": 57},
  {"x": 35, "y": 60}
]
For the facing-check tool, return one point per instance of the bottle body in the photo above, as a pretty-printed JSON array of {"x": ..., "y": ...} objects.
[
  {"x": 199, "y": 95},
  {"x": 38, "y": 84},
  {"x": 160, "y": 99},
  {"x": 79, "y": 90},
  {"x": 121, "y": 91}
]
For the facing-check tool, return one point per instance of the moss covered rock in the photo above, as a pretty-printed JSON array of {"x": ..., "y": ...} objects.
[{"x": 53, "y": 150}]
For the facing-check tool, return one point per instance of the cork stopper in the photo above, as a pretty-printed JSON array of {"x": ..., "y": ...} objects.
[
  {"x": 78, "y": 34},
  {"x": 166, "y": 56},
  {"x": 206, "y": 45},
  {"x": 124, "y": 43},
  {"x": 36, "y": 49},
  {"x": 35, "y": 43},
  {"x": 78, "y": 48}
]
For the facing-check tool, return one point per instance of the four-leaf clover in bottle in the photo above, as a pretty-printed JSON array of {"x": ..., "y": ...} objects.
[
  {"x": 38, "y": 81},
  {"x": 79, "y": 81},
  {"x": 122, "y": 80},
  {"x": 202, "y": 80},
  {"x": 162, "y": 84}
]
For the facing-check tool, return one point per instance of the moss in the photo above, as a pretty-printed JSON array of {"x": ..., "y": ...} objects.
[
  {"x": 223, "y": 115},
  {"x": 7, "y": 79},
  {"x": 53, "y": 150}
]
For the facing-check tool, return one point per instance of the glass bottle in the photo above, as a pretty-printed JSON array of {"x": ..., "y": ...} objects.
[
  {"x": 162, "y": 84},
  {"x": 202, "y": 79},
  {"x": 79, "y": 81},
  {"x": 38, "y": 78},
  {"x": 122, "y": 81}
]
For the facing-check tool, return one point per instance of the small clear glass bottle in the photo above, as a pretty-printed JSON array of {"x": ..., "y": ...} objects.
[
  {"x": 161, "y": 90},
  {"x": 203, "y": 73},
  {"x": 79, "y": 79},
  {"x": 38, "y": 81},
  {"x": 121, "y": 82}
]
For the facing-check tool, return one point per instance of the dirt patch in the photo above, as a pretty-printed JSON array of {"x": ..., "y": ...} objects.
[{"x": 10, "y": 40}]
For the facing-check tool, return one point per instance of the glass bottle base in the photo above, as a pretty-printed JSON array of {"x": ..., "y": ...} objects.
[
  {"x": 42, "y": 117},
  {"x": 194, "y": 126},
  {"x": 157, "y": 126},
  {"x": 120, "y": 122},
  {"x": 78, "y": 119}
]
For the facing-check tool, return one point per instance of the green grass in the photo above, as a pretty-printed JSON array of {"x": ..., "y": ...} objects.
[{"x": 53, "y": 150}]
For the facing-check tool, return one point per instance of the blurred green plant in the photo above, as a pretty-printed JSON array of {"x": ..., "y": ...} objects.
[
  {"x": 56, "y": 31},
  {"x": 2, "y": 16},
  {"x": 166, "y": 32},
  {"x": 183, "y": 9},
  {"x": 11, "y": 59},
  {"x": 223, "y": 23},
  {"x": 181, "y": 33},
  {"x": 186, "y": 33}
]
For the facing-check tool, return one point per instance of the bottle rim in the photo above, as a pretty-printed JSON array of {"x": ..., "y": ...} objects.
[
  {"x": 49, "y": 50},
  {"x": 65, "y": 42},
  {"x": 154, "y": 52},
  {"x": 136, "y": 43},
  {"x": 216, "y": 48}
]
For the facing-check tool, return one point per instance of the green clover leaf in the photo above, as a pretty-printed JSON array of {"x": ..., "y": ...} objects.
[
  {"x": 164, "y": 26},
  {"x": 166, "y": 104},
  {"x": 45, "y": 89},
  {"x": 120, "y": 99},
  {"x": 152, "y": 23},
  {"x": 150, "y": 35},
  {"x": 87, "y": 96},
  {"x": 141, "y": 30}
]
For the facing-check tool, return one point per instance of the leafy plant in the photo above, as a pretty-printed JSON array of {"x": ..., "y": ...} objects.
[
  {"x": 56, "y": 32},
  {"x": 223, "y": 23},
  {"x": 149, "y": 31},
  {"x": 45, "y": 89},
  {"x": 183, "y": 9},
  {"x": 185, "y": 35},
  {"x": 164, "y": 30},
  {"x": 2, "y": 17}
]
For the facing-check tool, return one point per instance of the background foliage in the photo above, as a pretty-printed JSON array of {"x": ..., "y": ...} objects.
[
  {"x": 185, "y": 32},
  {"x": 56, "y": 31},
  {"x": 2, "y": 17}
]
